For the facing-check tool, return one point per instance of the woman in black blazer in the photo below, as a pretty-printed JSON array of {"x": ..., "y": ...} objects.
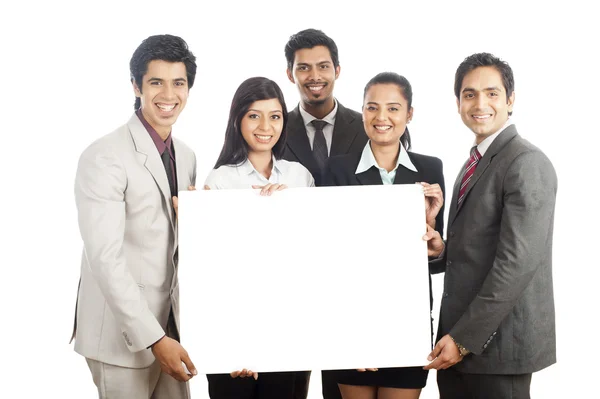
[{"x": 387, "y": 109}]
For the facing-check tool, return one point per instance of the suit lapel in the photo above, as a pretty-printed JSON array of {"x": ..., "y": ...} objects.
[
  {"x": 405, "y": 175},
  {"x": 297, "y": 140},
  {"x": 504, "y": 138},
  {"x": 145, "y": 146},
  {"x": 369, "y": 177},
  {"x": 343, "y": 134}
]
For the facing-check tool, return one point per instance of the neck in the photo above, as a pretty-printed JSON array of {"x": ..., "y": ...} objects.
[
  {"x": 162, "y": 131},
  {"x": 386, "y": 155},
  {"x": 262, "y": 162},
  {"x": 320, "y": 110}
]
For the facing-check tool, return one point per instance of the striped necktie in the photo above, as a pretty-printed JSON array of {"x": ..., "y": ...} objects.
[
  {"x": 319, "y": 151},
  {"x": 469, "y": 171}
]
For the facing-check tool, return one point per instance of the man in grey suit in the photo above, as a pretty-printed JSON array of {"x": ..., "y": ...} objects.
[
  {"x": 127, "y": 313},
  {"x": 497, "y": 312},
  {"x": 319, "y": 126}
]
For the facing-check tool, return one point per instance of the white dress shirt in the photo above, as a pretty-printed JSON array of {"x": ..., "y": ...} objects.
[
  {"x": 292, "y": 174},
  {"x": 485, "y": 144},
  {"x": 327, "y": 129}
]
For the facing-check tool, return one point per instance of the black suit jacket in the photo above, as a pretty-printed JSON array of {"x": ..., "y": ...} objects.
[{"x": 348, "y": 137}]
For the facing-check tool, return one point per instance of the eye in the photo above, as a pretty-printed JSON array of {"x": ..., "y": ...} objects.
[
  {"x": 253, "y": 116},
  {"x": 155, "y": 83},
  {"x": 371, "y": 108},
  {"x": 324, "y": 66},
  {"x": 303, "y": 68},
  {"x": 275, "y": 117},
  {"x": 493, "y": 94},
  {"x": 469, "y": 95},
  {"x": 393, "y": 109},
  {"x": 180, "y": 84}
]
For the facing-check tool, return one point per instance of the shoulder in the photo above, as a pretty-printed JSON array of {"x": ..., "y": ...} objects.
[
  {"x": 109, "y": 145},
  {"x": 425, "y": 161}
]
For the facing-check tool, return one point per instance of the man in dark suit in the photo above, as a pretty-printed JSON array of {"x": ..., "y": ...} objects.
[
  {"x": 497, "y": 311},
  {"x": 317, "y": 128}
]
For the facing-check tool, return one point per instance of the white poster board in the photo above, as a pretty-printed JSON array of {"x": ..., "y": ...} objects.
[{"x": 308, "y": 278}]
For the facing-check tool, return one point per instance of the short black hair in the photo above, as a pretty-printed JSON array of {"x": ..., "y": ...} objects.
[
  {"x": 482, "y": 60},
  {"x": 310, "y": 38},
  {"x": 235, "y": 148},
  {"x": 405, "y": 87},
  {"x": 160, "y": 47}
]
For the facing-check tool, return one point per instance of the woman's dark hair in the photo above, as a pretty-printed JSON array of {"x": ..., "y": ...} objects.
[
  {"x": 235, "y": 148},
  {"x": 404, "y": 85}
]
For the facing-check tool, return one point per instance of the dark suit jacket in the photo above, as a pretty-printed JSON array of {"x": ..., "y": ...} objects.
[
  {"x": 498, "y": 300},
  {"x": 348, "y": 137}
]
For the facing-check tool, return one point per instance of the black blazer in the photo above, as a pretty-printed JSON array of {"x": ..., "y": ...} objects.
[
  {"x": 348, "y": 137},
  {"x": 340, "y": 171}
]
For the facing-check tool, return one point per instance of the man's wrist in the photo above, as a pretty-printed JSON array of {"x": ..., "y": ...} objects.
[
  {"x": 461, "y": 349},
  {"x": 151, "y": 346}
]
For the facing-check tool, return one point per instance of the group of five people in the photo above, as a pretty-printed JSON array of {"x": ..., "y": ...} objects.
[{"x": 497, "y": 315}]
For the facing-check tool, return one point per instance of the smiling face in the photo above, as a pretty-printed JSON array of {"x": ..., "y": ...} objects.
[
  {"x": 314, "y": 74},
  {"x": 482, "y": 103},
  {"x": 163, "y": 94},
  {"x": 261, "y": 126},
  {"x": 385, "y": 114}
]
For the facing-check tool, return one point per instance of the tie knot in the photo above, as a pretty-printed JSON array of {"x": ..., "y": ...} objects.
[
  {"x": 319, "y": 124},
  {"x": 475, "y": 155}
]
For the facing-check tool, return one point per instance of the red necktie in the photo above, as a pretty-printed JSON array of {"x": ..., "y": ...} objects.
[{"x": 470, "y": 169}]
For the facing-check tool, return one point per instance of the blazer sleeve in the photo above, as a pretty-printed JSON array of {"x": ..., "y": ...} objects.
[
  {"x": 524, "y": 244},
  {"x": 100, "y": 186}
]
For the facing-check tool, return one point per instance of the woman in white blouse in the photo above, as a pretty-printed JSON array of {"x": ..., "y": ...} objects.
[
  {"x": 254, "y": 142},
  {"x": 251, "y": 158}
]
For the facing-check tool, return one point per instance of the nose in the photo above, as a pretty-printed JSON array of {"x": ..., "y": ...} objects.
[
  {"x": 381, "y": 114},
  {"x": 314, "y": 74},
  {"x": 168, "y": 91},
  {"x": 264, "y": 124},
  {"x": 481, "y": 101}
]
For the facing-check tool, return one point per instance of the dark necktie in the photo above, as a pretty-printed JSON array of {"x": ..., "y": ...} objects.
[
  {"x": 469, "y": 171},
  {"x": 166, "y": 160},
  {"x": 320, "y": 152}
]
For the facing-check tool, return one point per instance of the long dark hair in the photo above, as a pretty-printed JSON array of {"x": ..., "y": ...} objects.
[
  {"x": 235, "y": 148},
  {"x": 404, "y": 85}
]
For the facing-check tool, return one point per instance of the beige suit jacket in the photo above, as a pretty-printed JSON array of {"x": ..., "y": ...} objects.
[{"x": 129, "y": 230}]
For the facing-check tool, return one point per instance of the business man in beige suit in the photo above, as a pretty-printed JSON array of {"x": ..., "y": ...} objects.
[
  {"x": 497, "y": 312},
  {"x": 127, "y": 316}
]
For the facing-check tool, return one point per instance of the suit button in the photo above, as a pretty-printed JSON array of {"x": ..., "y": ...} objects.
[
  {"x": 451, "y": 234},
  {"x": 494, "y": 333},
  {"x": 484, "y": 346},
  {"x": 448, "y": 263},
  {"x": 445, "y": 295}
]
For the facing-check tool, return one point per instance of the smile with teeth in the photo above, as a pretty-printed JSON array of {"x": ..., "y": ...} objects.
[
  {"x": 382, "y": 128},
  {"x": 263, "y": 139},
  {"x": 316, "y": 88},
  {"x": 482, "y": 117},
  {"x": 166, "y": 107}
]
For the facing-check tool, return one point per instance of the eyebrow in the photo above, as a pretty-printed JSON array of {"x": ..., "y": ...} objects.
[
  {"x": 392, "y": 103},
  {"x": 316, "y": 63},
  {"x": 256, "y": 110},
  {"x": 492, "y": 88},
  {"x": 153, "y": 79}
]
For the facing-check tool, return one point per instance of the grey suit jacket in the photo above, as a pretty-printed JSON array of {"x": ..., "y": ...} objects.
[
  {"x": 348, "y": 137},
  {"x": 128, "y": 269},
  {"x": 498, "y": 297}
]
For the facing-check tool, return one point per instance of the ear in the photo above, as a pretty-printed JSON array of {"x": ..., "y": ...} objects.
[
  {"x": 136, "y": 89},
  {"x": 511, "y": 101},
  {"x": 290, "y": 76},
  {"x": 337, "y": 71},
  {"x": 410, "y": 115},
  {"x": 458, "y": 105}
]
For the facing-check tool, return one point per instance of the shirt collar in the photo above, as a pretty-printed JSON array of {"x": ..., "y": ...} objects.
[
  {"x": 246, "y": 167},
  {"x": 158, "y": 142},
  {"x": 329, "y": 118},
  {"x": 367, "y": 160},
  {"x": 485, "y": 144}
]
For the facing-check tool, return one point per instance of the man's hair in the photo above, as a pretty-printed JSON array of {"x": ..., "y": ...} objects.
[
  {"x": 482, "y": 60},
  {"x": 404, "y": 85},
  {"x": 165, "y": 48},
  {"x": 310, "y": 38},
  {"x": 235, "y": 148}
]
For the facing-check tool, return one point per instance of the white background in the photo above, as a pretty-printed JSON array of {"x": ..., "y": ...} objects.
[{"x": 65, "y": 82}]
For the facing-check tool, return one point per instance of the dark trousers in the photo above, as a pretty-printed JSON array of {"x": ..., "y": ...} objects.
[
  {"x": 453, "y": 384},
  {"x": 268, "y": 386},
  {"x": 328, "y": 382}
]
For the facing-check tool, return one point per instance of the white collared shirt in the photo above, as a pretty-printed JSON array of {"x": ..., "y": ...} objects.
[
  {"x": 485, "y": 144},
  {"x": 327, "y": 129},
  {"x": 367, "y": 160},
  {"x": 292, "y": 174}
]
